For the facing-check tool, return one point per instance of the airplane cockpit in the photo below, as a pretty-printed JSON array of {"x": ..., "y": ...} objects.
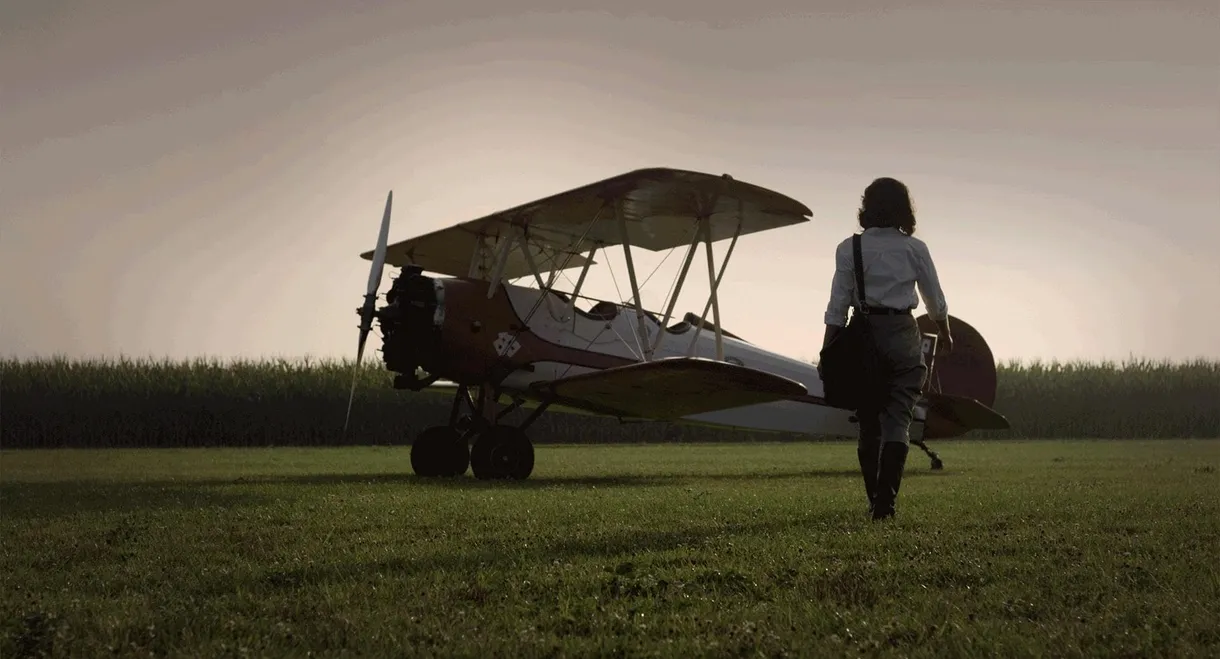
[
  {"x": 602, "y": 311},
  {"x": 607, "y": 311}
]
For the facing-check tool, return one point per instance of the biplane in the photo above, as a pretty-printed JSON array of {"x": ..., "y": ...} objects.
[{"x": 452, "y": 322}]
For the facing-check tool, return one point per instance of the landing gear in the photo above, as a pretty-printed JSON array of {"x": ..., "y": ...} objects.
[
  {"x": 499, "y": 451},
  {"x": 937, "y": 465},
  {"x": 917, "y": 434},
  {"x": 502, "y": 452},
  {"x": 440, "y": 451}
]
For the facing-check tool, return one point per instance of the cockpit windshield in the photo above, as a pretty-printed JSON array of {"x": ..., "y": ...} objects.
[{"x": 602, "y": 311}]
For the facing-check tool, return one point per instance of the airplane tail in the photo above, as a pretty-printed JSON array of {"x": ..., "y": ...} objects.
[{"x": 961, "y": 385}]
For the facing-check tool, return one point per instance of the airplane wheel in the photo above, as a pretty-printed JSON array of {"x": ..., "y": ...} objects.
[
  {"x": 439, "y": 451},
  {"x": 502, "y": 452}
]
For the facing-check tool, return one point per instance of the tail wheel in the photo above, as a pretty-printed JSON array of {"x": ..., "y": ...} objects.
[{"x": 502, "y": 452}]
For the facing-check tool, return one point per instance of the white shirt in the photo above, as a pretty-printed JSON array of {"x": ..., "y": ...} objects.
[{"x": 895, "y": 264}]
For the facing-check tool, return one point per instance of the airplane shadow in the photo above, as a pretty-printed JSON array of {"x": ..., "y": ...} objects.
[
  {"x": 49, "y": 500},
  {"x": 540, "y": 554},
  {"x": 468, "y": 481}
]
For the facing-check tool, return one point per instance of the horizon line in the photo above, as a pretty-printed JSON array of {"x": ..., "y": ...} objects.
[{"x": 322, "y": 360}]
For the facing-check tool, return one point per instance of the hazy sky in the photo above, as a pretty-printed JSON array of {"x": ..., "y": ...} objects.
[{"x": 198, "y": 178}]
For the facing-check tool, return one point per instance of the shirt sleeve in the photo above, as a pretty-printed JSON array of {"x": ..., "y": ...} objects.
[
  {"x": 841, "y": 287},
  {"x": 929, "y": 284}
]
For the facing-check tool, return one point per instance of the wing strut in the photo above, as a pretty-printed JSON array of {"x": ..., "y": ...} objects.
[
  {"x": 641, "y": 328},
  {"x": 544, "y": 288},
  {"x": 580, "y": 282},
  {"x": 533, "y": 265},
  {"x": 497, "y": 271},
  {"x": 713, "y": 299},
  {"x": 673, "y": 299}
]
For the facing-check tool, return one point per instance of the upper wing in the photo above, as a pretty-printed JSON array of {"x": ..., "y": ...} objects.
[
  {"x": 668, "y": 389},
  {"x": 660, "y": 206},
  {"x": 449, "y": 252}
]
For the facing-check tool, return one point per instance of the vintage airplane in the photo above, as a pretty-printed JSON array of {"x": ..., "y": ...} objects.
[{"x": 453, "y": 323}]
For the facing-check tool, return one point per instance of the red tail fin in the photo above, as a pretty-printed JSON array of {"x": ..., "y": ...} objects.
[{"x": 968, "y": 372}]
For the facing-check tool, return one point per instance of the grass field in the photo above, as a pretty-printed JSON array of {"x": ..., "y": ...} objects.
[{"x": 1018, "y": 548}]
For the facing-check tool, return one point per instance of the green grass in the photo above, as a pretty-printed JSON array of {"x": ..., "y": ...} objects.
[
  {"x": 1017, "y": 549},
  {"x": 143, "y": 403}
]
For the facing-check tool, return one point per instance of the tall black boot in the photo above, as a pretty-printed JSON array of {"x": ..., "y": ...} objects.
[
  {"x": 869, "y": 455},
  {"x": 889, "y": 478}
]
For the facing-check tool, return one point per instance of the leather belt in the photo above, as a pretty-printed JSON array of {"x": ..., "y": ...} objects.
[{"x": 886, "y": 311}]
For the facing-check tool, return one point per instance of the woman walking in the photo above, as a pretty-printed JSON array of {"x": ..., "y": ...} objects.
[{"x": 895, "y": 264}]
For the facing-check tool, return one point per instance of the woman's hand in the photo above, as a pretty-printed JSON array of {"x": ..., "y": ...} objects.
[{"x": 944, "y": 337}]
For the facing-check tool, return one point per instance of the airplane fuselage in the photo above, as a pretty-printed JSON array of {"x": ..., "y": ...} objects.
[
  {"x": 519, "y": 336},
  {"x": 555, "y": 322}
]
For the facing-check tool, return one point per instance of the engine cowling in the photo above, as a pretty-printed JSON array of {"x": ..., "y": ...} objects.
[{"x": 410, "y": 325}]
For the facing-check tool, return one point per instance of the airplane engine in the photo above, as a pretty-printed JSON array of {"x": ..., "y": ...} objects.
[
  {"x": 967, "y": 372},
  {"x": 410, "y": 325}
]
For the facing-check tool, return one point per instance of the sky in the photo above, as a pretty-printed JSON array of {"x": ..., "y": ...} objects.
[{"x": 182, "y": 178}]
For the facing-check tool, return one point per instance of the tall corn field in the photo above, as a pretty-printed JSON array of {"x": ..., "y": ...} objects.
[
  {"x": 1132, "y": 399},
  {"x": 212, "y": 402}
]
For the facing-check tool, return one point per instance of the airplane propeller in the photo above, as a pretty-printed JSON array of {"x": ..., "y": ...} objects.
[{"x": 370, "y": 300}]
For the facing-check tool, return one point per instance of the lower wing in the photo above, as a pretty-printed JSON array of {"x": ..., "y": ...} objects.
[{"x": 667, "y": 389}]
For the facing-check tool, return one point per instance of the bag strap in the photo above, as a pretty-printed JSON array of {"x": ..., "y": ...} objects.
[{"x": 859, "y": 266}]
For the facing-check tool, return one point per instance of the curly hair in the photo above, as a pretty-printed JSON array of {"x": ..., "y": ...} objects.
[{"x": 887, "y": 203}]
